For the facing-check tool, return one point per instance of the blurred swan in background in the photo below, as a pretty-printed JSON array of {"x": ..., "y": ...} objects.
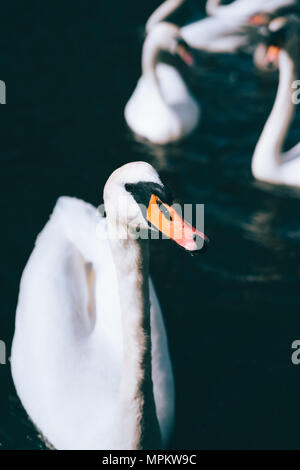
[
  {"x": 90, "y": 358},
  {"x": 262, "y": 18},
  {"x": 213, "y": 34},
  {"x": 241, "y": 15},
  {"x": 226, "y": 30},
  {"x": 235, "y": 23},
  {"x": 269, "y": 163},
  {"x": 218, "y": 35},
  {"x": 161, "y": 108}
]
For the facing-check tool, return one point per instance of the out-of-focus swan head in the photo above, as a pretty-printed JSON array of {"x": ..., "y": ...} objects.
[
  {"x": 277, "y": 33},
  {"x": 166, "y": 37}
]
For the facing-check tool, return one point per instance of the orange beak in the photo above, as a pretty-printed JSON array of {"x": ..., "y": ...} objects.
[
  {"x": 259, "y": 19},
  {"x": 185, "y": 55},
  {"x": 272, "y": 55},
  {"x": 165, "y": 219}
]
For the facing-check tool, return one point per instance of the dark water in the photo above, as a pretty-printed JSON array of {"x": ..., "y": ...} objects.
[{"x": 232, "y": 313}]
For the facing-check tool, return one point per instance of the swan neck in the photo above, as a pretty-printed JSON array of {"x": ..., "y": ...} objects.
[
  {"x": 162, "y": 12},
  {"x": 150, "y": 55},
  {"x": 137, "y": 423},
  {"x": 269, "y": 146},
  {"x": 151, "y": 51}
]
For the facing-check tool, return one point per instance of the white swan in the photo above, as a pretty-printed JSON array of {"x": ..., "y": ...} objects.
[
  {"x": 228, "y": 28},
  {"x": 214, "y": 34},
  {"x": 269, "y": 163},
  {"x": 90, "y": 358},
  {"x": 161, "y": 108}
]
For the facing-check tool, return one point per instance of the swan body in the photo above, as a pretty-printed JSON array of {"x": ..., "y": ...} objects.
[
  {"x": 67, "y": 371},
  {"x": 161, "y": 108},
  {"x": 165, "y": 115},
  {"x": 269, "y": 162}
]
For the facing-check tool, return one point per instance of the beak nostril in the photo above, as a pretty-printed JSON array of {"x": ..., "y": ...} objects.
[{"x": 164, "y": 211}]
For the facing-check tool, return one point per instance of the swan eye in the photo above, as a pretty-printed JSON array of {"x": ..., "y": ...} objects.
[
  {"x": 142, "y": 192},
  {"x": 129, "y": 187}
]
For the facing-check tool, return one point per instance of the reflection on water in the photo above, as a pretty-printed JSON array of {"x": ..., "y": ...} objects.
[{"x": 232, "y": 313}]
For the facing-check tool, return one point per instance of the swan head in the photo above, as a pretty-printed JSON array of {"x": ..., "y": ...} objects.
[
  {"x": 166, "y": 37},
  {"x": 279, "y": 32},
  {"x": 284, "y": 35},
  {"x": 136, "y": 202}
]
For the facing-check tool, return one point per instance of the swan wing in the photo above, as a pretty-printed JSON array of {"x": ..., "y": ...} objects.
[{"x": 60, "y": 371}]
